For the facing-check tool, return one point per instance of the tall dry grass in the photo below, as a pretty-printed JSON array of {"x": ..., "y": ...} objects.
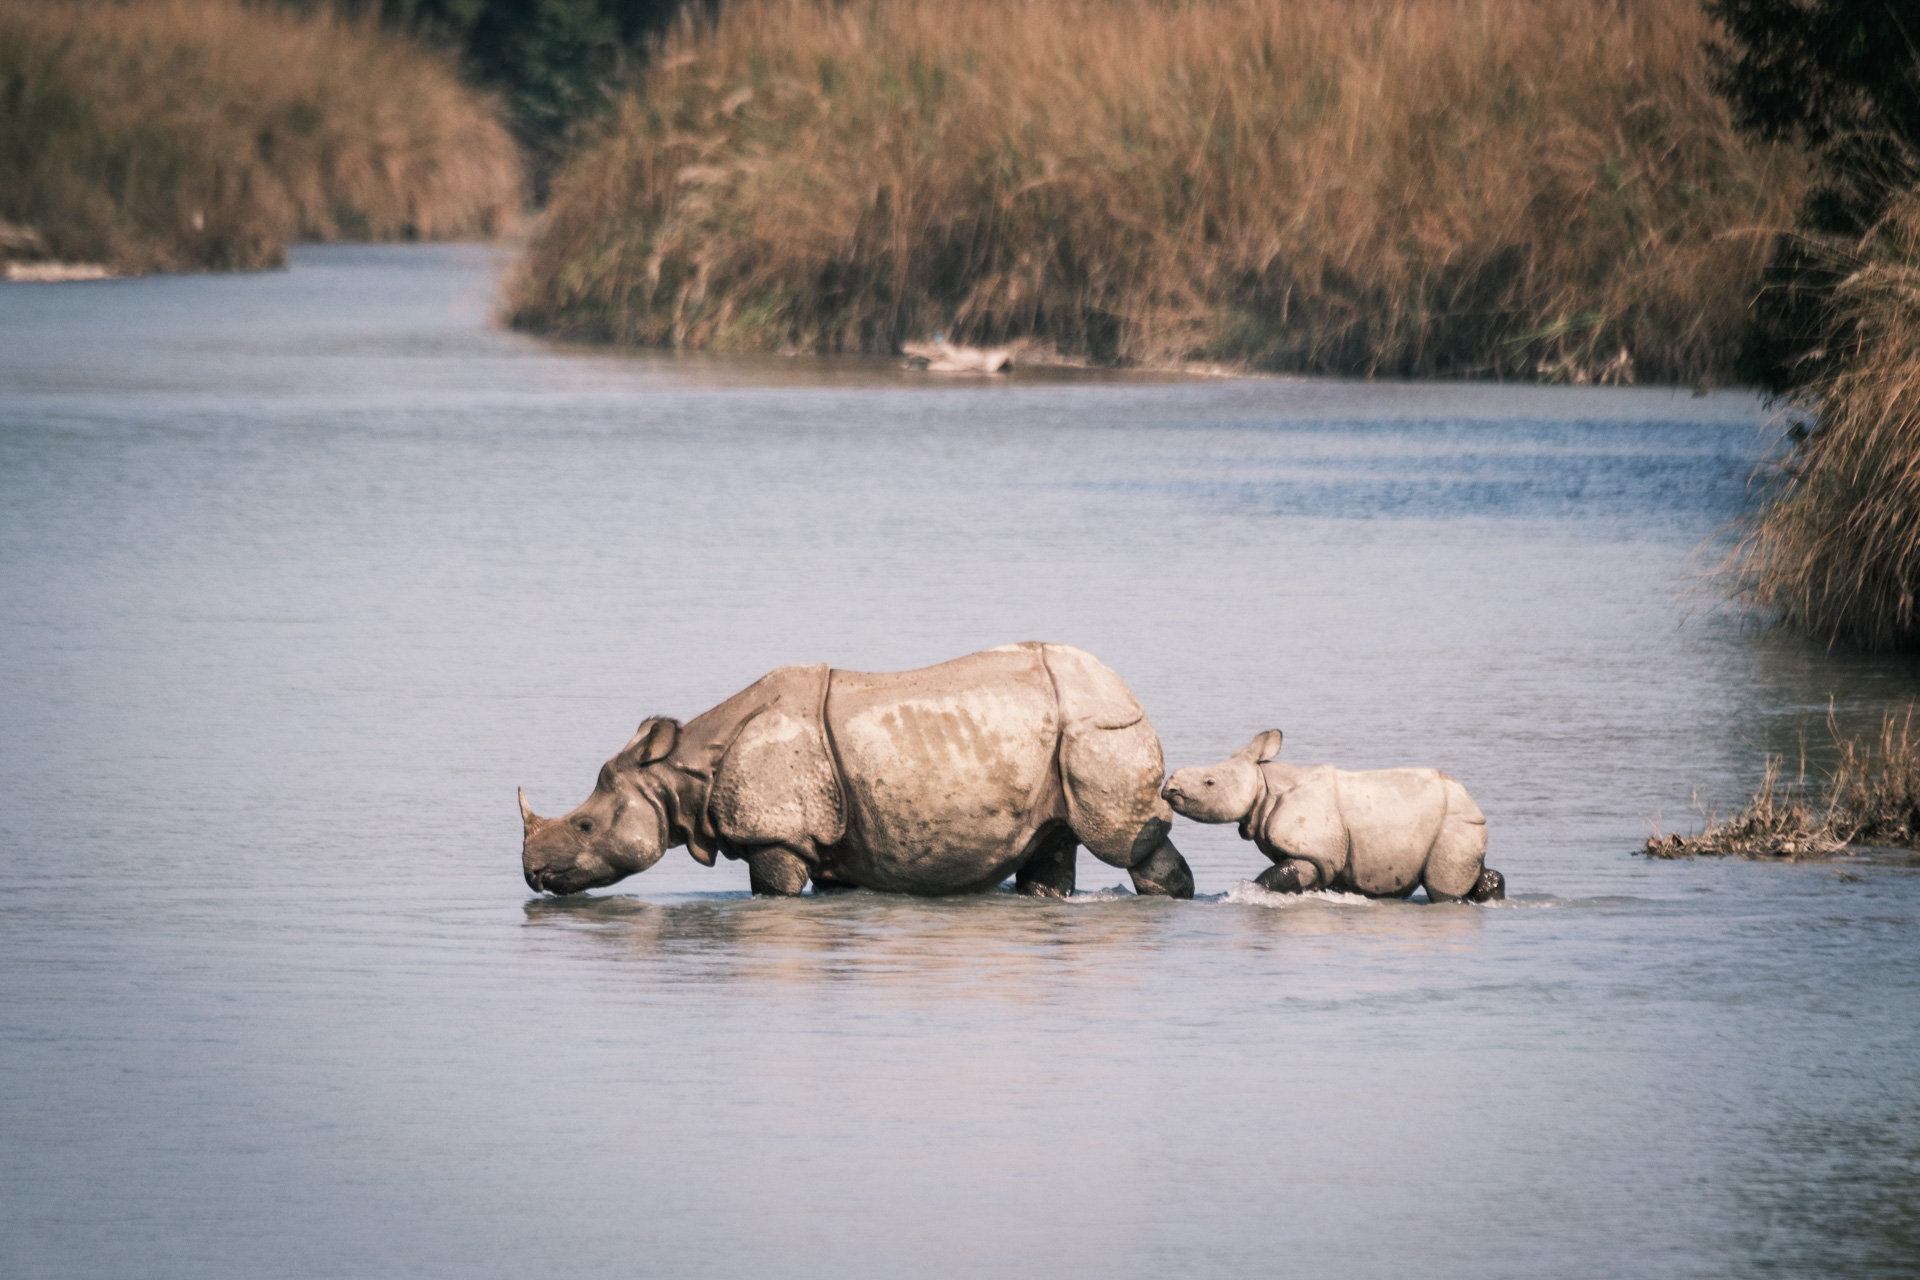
[
  {"x": 168, "y": 134},
  {"x": 1503, "y": 187},
  {"x": 1835, "y": 550}
]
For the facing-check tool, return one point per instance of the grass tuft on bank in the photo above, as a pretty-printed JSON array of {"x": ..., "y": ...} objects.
[
  {"x": 1871, "y": 798},
  {"x": 1514, "y": 188},
  {"x": 1835, "y": 550},
  {"x": 158, "y": 135}
]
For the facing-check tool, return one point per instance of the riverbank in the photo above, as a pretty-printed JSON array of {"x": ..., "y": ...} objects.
[
  {"x": 1435, "y": 187},
  {"x": 1867, "y": 803},
  {"x": 207, "y": 134}
]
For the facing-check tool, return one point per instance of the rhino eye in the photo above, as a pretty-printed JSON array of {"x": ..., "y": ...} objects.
[
  {"x": 1209, "y": 781},
  {"x": 586, "y": 824}
]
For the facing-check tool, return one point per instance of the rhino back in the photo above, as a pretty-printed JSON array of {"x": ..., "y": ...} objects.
[
  {"x": 1392, "y": 818},
  {"x": 1460, "y": 805},
  {"x": 942, "y": 767}
]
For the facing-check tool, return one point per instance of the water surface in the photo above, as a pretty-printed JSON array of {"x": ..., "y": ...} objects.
[{"x": 302, "y": 573}]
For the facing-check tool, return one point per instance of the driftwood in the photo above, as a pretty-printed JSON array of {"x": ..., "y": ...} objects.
[{"x": 941, "y": 356}]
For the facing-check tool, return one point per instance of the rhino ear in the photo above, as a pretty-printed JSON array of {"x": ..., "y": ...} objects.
[
  {"x": 1265, "y": 746},
  {"x": 653, "y": 740}
]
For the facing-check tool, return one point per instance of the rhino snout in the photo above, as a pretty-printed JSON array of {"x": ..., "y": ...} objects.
[
  {"x": 1184, "y": 788},
  {"x": 1183, "y": 800}
]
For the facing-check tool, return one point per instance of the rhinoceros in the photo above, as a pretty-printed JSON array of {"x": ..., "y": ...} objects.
[
  {"x": 944, "y": 780},
  {"x": 1381, "y": 832}
]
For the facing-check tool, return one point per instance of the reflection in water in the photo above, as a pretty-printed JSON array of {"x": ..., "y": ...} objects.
[
  {"x": 1804, "y": 693},
  {"x": 1835, "y": 1188},
  {"x": 999, "y": 945}
]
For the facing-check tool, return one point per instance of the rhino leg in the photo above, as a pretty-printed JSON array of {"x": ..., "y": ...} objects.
[
  {"x": 1163, "y": 872},
  {"x": 1458, "y": 856},
  {"x": 1289, "y": 875},
  {"x": 1492, "y": 887},
  {"x": 776, "y": 872},
  {"x": 1049, "y": 872}
]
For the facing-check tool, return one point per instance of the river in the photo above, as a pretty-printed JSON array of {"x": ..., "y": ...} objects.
[{"x": 304, "y": 572}]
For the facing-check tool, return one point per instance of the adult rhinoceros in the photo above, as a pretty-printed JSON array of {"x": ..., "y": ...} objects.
[
  {"x": 943, "y": 780},
  {"x": 1379, "y": 832}
]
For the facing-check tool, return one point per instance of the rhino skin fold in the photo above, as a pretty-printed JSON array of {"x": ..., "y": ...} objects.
[{"x": 944, "y": 780}]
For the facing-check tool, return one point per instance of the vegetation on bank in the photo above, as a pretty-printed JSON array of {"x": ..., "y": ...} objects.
[
  {"x": 1839, "y": 79},
  {"x": 551, "y": 61},
  {"x": 176, "y": 134},
  {"x": 1834, "y": 552},
  {"x": 1532, "y": 188},
  {"x": 1871, "y": 799}
]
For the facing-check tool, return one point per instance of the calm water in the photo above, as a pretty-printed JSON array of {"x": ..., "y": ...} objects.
[{"x": 301, "y": 574}]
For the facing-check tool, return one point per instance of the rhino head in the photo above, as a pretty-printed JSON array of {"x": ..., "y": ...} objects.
[
  {"x": 620, "y": 830},
  {"x": 1224, "y": 792}
]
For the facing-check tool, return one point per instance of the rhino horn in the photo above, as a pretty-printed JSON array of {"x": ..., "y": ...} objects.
[{"x": 528, "y": 818}]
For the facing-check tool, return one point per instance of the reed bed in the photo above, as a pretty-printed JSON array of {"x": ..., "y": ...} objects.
[
  {"x": 1835, "y": 550},
  {"x": 1531, "y": 188},
  {"x": 169, "y": 134},
  {"x": 1871, "y": 798}
]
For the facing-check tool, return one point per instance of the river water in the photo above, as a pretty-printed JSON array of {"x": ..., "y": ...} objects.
[{"x": 302, "y": 573}]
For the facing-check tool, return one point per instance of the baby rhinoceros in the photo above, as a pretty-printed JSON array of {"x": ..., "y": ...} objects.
[{"x": 1381, "y": 832}]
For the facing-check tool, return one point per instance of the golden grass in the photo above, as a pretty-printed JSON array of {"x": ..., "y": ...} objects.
[
  {"x": 1499, "y": 187},
  {"x": 1871, "y": 798},
  {"x": 1835, "y": 550},
  {"x": 169, "y": 134}
]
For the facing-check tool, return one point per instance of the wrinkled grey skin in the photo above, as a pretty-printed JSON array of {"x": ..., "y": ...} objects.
[
  {"x": 1382, "y": 833},
  {"x": 944, "y": 780}
]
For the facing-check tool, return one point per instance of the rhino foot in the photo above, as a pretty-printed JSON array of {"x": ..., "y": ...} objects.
[
  {"x": 1163, "y": 873},
  {"x": 1289, "y": 876},
  {"x": 1491, "y": 888},
  {"x": 1049, "y": 872}
]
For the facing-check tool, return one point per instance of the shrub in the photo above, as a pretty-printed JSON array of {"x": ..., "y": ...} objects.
[
  {"x": 1842, "y": 79},
  {"x": 207, "y": 133},
  {"x": 1499, "y": 187},
  {"x": 1835, "y": 550},
  {"x": 551, "y": 60}
]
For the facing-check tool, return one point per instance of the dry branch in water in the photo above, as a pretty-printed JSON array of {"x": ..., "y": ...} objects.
[
  {"x": 1871, "y": 798},
  {"x": 1530, "y": 188},
  {"x": 170, "y": 134}
]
